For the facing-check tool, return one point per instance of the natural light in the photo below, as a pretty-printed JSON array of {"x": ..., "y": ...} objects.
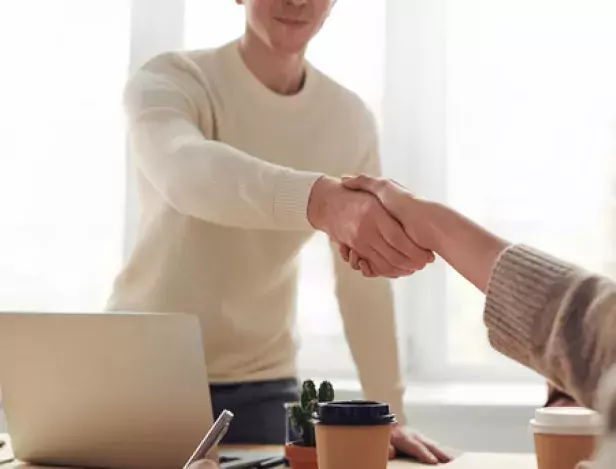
[{"x": 531, "y": 106}]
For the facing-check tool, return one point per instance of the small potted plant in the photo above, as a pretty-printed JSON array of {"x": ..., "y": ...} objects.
[{"x": 302, "y": 453}]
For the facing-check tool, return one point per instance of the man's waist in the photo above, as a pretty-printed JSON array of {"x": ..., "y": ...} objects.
[{"x": 221, "y": 378}]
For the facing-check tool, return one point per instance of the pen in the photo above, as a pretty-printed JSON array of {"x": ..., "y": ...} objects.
[{"x": 273, "y": 462}]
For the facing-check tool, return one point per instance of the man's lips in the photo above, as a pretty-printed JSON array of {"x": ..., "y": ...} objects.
[{"x": 292, "y": 22}]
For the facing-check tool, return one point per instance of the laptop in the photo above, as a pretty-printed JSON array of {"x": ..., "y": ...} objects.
[{"x": 111, "y": 390}]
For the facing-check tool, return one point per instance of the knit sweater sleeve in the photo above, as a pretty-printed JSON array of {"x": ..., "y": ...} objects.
[
  {"x": 170, "y": 127},
  {"x": 553, "y": 317},
  {"x": 367, "y": 311}
]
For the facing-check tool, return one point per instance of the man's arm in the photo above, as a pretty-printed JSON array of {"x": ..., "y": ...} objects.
[
  {"x": 367, "y": 311},
  {"x": 171, "y": 130},
  {"x": 368, "y": 314},
  {"x": 167, "y": 106}
]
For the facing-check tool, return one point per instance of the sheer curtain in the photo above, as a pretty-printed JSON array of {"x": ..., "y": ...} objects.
[
  {"x": 62, "y": 170},
  {"x": 62, "y": 163},
  {"x": 518, "y": 132},
  {"x": 531, "y": 134}
]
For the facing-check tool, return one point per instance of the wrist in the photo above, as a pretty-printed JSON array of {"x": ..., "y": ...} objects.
[
  {"x": 426, "y": 219},
  {"x": 322, "y": 190}
]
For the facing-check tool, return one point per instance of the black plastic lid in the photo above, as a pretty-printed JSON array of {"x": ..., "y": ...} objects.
[{"x": 354, "y": 413}]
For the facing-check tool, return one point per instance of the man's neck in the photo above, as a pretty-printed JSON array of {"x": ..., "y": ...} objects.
[{"x": 281, "y": 73}]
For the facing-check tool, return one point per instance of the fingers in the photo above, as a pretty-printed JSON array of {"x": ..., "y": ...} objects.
[
  {"x": 344, "y": 252},
  {"x": 385, "y": 265},
  {"x": 441, "y": 455},
  {"x": 414, "y": 447},
  {"x": 366, "y": 270},
  {"x": 399, "y": 249},
  {"x": 362, "y": 183},
  {"x": 354, "y": 260},
  {"x": 392, "y": 452},
  {"x": 408, "y": 255}
]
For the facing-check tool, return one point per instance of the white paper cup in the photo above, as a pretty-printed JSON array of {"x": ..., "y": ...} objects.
[{"x": 564, "y": 436}]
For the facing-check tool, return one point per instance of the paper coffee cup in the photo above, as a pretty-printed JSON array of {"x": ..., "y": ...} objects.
[
  {"x": 564, "y": 436},
  {"x": 353, "y": 435}
]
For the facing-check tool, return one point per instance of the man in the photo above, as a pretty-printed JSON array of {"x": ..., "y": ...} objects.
[{"x": 237, "y": 150}]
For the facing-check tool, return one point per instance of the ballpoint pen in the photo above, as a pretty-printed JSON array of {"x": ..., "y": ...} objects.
[{"x": 273, "y": 462}]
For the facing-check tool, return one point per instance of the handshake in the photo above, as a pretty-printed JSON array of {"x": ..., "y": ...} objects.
[{"x": 381, "y": 228}]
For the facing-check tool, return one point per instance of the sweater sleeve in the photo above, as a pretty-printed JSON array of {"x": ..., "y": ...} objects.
[
  {"x": 368, "y": 314},
  {"x": 170, "y": 124},
  {"x": 553, "y": 317}
]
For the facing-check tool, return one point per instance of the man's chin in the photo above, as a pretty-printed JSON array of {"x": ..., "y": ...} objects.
[{"x": 290, "y": 45}]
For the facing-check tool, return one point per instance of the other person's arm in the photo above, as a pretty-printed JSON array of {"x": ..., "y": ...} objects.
[{"x": 544, "y": 313}]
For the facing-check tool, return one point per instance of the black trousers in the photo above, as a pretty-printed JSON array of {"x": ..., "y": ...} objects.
[{"x": 258, "y": 407}]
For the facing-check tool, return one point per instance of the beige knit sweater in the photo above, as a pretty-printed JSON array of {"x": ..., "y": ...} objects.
[
  {"x": 224, "y": 168},
  {"x": 559, "y": 320}
]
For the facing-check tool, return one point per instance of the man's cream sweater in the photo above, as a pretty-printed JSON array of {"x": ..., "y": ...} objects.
[{"x": 225, "y": 168}]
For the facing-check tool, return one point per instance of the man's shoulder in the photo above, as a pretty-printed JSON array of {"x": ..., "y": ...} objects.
[
  {"x": 184, "y": 72},
  {"x": 176, "y": 63}
]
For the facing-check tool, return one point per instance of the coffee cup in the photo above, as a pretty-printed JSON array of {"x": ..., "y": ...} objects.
[
  {"x": 565, "y": 436},
  {"x": 353, "y": 435}
]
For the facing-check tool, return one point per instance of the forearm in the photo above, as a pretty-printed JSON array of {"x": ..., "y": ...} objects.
[
  {"x": 367, "y": 310},
  {"x": 371, "y": 333},
  {"x": 214, "y": 182},
  {"x": 170, "y": 121},
  {"x": 463, "y": 244}
]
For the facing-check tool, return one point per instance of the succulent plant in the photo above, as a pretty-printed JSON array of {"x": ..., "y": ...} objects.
[{"x": 303, "y": 413}]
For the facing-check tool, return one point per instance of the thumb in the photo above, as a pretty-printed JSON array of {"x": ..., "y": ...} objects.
[{"x": 360, "y": 183}]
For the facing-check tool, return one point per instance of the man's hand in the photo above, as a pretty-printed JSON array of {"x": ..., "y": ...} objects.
[
  {"x": 400, "y": 203},
  {"x": 416, "y": 445},
  {"x": 356, "y": 219}
]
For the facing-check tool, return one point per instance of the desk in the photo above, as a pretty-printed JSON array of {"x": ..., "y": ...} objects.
[{"x": 466, "y": 461}]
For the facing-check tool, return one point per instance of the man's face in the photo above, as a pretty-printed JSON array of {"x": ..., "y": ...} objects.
[{"x": 286, "y": 25}]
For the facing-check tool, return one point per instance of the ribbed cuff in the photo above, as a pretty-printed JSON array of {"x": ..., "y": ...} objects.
[
  {"x": 291, "y": 196},
  {"x": 522, "y": 285}
]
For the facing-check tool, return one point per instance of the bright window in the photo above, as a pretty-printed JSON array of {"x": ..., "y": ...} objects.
[
  {"x": 527, "y": 129},
  {"x": 62, "y": 169},
  {"x": 531, "y": 132}
]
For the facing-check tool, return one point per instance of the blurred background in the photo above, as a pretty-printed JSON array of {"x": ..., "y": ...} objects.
[{"x": 504, "y": 109}]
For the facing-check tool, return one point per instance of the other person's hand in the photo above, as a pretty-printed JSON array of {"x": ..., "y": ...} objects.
[
  {"x": 401, "y": 204},
  {"x": 356, "y": 219}
]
